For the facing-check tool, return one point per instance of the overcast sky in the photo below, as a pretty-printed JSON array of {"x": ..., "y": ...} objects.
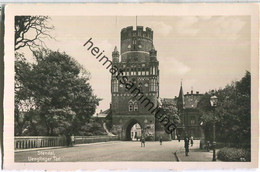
[{"x": 205, "y": 52}]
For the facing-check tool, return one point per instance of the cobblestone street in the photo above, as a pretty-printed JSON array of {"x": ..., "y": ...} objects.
[{"x": 106, "y": 151}]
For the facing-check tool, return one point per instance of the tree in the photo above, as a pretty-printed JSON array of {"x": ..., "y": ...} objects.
[
  {"x": 23, "y": 96},
  {"x": 92, "y": 127},
  {"x": 232, "y": 115},
  {"x": 63, "y": 97},
  {"x": 31, "y": 30},
  {"x": 170, "y": 111}
]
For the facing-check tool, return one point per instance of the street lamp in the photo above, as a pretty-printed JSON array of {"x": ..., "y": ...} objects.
[{"x": 213, "y": 103}]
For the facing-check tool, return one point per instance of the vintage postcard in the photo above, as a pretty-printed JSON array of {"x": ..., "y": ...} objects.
[{"x": 131, "y": 86}]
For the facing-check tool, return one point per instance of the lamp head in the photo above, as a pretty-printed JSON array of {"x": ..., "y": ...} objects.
[{"x": 213, "y": 100}]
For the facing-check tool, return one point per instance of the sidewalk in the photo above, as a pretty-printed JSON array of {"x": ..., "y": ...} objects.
[{"x": 195, "y": 155}]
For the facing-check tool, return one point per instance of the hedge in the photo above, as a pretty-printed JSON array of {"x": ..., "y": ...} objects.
[{"x": 234, "y": 154}]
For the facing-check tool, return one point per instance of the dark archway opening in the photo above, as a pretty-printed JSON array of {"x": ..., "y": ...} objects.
[{"x": 133, "y": 131}]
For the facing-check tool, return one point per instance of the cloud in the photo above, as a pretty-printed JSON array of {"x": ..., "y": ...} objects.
[
  {"x": 185, "y": 26},
  {"x": 105, "y": 45},
  {"x": 211, "y": 26},
  {"x": 230, "y": 26},
  {"x": 160, "y": 27},
  {"x": 175, "y": 67}
]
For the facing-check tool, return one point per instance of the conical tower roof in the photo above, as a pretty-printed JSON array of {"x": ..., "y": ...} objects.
[
  {"x": 180, "y": 101},
  {"x": 115, "y": 49}
]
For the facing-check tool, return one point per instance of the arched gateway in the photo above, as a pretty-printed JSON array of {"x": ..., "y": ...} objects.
[
  {"x": 133, "y": 134},
  {"x": 140, "y": 68}
]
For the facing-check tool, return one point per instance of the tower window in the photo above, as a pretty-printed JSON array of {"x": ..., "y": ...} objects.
[
  {"x": 152, "y": 85},
  {"x": 135, "y": 106},
  {"x": 115, "y": 85},
  {"x": 130, "y": 106},
  {"x": 192, "y": 120}
]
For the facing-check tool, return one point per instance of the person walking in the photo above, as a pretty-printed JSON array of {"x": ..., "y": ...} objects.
[
  {"x": 186, "y": 145},
  {"x": 179, "y": 137},
  {"x": 191, "y": 141},
  {"x": 161, "y": 140},
  {"x": 72, "y": 140},
  {"x": 68, "y": 140},
  {"x": 208, "y": 146},
  {"x": 142, "y": 141}
]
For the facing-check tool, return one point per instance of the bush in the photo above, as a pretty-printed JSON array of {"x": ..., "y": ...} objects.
[{"x": 233, "y": 154}]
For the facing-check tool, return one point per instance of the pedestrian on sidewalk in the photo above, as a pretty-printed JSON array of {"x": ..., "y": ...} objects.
[
  {"x": 186, "y": 145},
  {"x": 208, "y": 146},
  {"x": 72, "y": 140},
  {"x": 191, "y": 141},
  {"x": 142, "y": 141},
  {"x": 179, "y": 137},
  {"x": 68, "y": 140},
  {"x": 161, "y": 140}
]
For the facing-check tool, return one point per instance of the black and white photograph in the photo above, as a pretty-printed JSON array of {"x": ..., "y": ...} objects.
[{"x": 131, "y": 86}]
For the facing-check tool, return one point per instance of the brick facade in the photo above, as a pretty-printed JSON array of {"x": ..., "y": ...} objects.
[{"x": 139, "y": 63}]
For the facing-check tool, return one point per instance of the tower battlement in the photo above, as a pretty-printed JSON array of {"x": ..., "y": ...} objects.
[
  {"x": 129, "y": 33},
  {"x": 136, "y": 44}
]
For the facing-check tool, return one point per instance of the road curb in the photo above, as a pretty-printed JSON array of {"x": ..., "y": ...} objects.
[{"x": 38, "y": 149}]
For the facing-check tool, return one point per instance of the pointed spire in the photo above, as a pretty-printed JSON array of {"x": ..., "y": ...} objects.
[
  {"x": 115, "y": 50},
  {"x": 180, "y": 101},
  {"x": 115, "y": 55}
]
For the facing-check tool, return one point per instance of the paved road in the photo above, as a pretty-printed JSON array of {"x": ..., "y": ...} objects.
[
  {"x": 195, "y": 154},
  {"x": 109, "y": 151}
]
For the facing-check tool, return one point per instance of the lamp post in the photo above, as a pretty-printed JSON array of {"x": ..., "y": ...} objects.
[{"x": 213, "y": 103}]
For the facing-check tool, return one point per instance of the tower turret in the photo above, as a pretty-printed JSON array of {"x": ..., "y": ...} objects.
[
  {"x": 115, "y": 55},
  {"x": 153, "y": 54},
  {"x": 136, "y": 44}
]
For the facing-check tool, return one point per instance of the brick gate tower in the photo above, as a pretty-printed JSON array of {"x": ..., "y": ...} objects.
[{"x": 139, "y": 63}]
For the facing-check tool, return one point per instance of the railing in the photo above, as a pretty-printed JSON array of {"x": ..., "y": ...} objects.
[
  {"x": 28, "y": 142},
  {"x": 94, "y": 139}
]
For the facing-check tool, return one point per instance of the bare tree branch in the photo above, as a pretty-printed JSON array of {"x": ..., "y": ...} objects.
[{"x": 25, "y": 26}]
